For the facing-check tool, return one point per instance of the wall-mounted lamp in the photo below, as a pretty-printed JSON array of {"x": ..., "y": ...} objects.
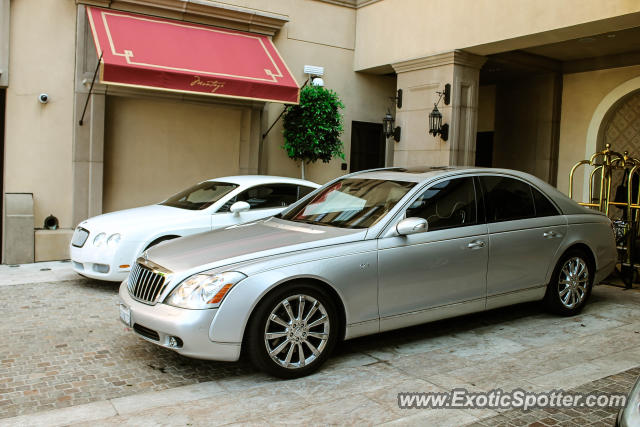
[
  {"x": 435, "y": 117},
  {"x": 387, "y": 123}
]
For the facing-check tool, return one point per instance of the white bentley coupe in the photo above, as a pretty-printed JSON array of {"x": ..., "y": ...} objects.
[{"x": 104, "y": 247}]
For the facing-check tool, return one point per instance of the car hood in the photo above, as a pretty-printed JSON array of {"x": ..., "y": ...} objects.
[
  {"x": 246, "y": 242},
  {"x": 136, "y": 219}
]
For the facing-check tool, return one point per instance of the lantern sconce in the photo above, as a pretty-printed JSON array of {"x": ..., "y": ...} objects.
[
  {"x": 435, "y": 117},
  {"x": 387, "y": 123}
]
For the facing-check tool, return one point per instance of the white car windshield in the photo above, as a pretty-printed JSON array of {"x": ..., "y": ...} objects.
[
  {"x": 351, "y": 203},
  {"x": 200, "y": 196}
]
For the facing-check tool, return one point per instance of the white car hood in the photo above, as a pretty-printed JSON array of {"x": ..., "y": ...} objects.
[{"x": 137, "y": 219}]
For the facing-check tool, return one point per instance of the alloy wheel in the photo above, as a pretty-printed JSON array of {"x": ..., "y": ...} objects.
[
  {"x": 297, "y": 331},
  {"x": 573, "y": 282}
]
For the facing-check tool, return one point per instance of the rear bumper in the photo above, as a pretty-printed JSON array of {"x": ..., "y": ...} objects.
[
  {"x": 191, "y": 326},
  {"x": 604, "y": 272}
]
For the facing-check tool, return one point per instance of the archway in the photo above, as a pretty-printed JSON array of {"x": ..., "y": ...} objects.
[{"x": 603, "y": 115}]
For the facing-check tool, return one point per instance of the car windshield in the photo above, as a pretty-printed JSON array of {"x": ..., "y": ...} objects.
[
  {"x": 351, "y": 203},
  {"x": 200, "y": 196}
]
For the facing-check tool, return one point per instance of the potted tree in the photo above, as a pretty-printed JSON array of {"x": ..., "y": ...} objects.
[{"x": 312, "y": 128}]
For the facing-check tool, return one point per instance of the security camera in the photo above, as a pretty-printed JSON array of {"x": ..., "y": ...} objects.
[{"x": 43, "y": 98}]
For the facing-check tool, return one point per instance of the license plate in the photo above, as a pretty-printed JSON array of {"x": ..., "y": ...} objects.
[{"x": 125, "y": 314}]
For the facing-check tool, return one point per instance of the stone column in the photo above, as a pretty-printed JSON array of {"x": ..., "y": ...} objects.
[
  {"x": 88, "y": 138},
  {"x": 419, "y": 80}
]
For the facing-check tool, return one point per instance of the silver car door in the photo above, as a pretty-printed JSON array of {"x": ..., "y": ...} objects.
[
  {"x": 525, "y": 231},
  {"x": 443, "y": 266}
]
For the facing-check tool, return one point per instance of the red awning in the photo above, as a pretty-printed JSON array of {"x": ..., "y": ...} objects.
[{"x": 156, "y": 53}]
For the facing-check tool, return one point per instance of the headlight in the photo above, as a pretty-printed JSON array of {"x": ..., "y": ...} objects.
[
  {"x": 113, "y": 240},
  {"x": 99, "y": 239},
  {"x": 202, "y": 291}
]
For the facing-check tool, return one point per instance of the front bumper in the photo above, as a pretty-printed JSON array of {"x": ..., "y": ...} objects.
[
  {"x": 104, "y": 263},
  {"x": 190, "y": 326}
]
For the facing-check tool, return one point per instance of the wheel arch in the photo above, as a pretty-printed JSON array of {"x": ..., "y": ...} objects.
[
  {"x": 587, "y": 250},
  {"x": 315, "y": 281},
  {"x": 578, "y": 244}
]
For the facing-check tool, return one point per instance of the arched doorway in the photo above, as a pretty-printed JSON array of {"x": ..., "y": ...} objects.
[
  {"x": 621, "y": 125},
  {"x": 602, "y": 120}
]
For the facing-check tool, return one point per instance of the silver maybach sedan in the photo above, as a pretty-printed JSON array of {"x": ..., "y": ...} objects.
[{"x": 365, "y": 253}]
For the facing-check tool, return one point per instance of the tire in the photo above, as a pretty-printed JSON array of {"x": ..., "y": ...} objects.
[
  {"x": 286, "y": 333},
  {"x": 571, "y": 283}
]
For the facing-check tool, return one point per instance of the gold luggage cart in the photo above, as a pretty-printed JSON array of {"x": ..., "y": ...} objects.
[{"x": 606, "y": 166}]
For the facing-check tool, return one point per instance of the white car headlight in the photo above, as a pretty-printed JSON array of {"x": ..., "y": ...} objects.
[
  {"x": 113, "y": 240},
  {"x": 99, "y": 239},
  {"x": 202, "y": 291}
]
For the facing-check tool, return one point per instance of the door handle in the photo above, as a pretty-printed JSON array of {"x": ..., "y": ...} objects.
[
  {"x": 476, "y": 244},
  {"x": 551, "y": 234}
]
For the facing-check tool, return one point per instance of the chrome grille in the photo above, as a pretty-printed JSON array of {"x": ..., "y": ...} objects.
[
  {"x": 146, "y": 283},
  {"x": 79, "y": 237}
]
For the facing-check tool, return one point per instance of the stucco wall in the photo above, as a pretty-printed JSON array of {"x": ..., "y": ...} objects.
[
  {"x": 582, "y": 93},
  {"x": 394, "y": 30},
  {"x": 38, "y": 137},
  {"x": 323, "y": 34}
]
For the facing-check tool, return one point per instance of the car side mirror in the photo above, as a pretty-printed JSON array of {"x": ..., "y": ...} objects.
[
  {"x": 412, "y": 225},
  {"x": 239, "y": 207}
]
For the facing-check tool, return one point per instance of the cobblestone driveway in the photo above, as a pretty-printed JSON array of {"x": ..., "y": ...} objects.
[{"x": 63, "y": 346}]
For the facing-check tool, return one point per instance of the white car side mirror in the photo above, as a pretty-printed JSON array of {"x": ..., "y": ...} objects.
[
  {"x": 239, "y": 207},
  {"x": 411, "y": 226}
]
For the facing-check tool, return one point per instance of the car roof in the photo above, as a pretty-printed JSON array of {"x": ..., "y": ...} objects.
[{"x": 263, "y": 179}]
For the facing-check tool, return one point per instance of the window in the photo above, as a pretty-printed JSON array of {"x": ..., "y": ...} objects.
[
  {"x": 303, "y": 191},
  {"x": 269, "y": 196},
  {"x": 447, "y": 204},
  {"x": 200, "y": 196},
  {"x": 351, "y": 203},
  {"x": 507, "y": 199},
  {"x": 543, "y": 206}
]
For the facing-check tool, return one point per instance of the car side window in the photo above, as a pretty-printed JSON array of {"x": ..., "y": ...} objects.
[
  {"x": 266, "y": 196},
  {"x": 543, "y": 206},
  {"x": 303, "y": 191},
  {"x": 446, "y": 204},
  {"x": 507, "y": 199}
]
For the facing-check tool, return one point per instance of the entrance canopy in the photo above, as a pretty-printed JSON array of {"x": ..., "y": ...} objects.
[{"x": 155, "y": 53}]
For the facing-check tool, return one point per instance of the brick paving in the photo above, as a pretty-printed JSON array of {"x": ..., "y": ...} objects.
[
  {"x": 63, "y": 346},
  {"x": 578, "y": 417}
]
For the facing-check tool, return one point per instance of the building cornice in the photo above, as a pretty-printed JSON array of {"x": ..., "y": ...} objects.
[
  {"x": 353, "y": 4},
  {"x": 220, "y": 13},
  {"x": 455, "y": 57}
]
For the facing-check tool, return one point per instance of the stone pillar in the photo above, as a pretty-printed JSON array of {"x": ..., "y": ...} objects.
[
  {"x": 88, "y": 138},
  {"x": 419, "y": 80}
]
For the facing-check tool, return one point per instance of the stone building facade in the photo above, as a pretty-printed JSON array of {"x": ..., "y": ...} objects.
[{"x": 535, "y": 86}]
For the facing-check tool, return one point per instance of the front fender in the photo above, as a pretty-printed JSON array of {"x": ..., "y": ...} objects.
[{"x": 233, "y": 315}]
